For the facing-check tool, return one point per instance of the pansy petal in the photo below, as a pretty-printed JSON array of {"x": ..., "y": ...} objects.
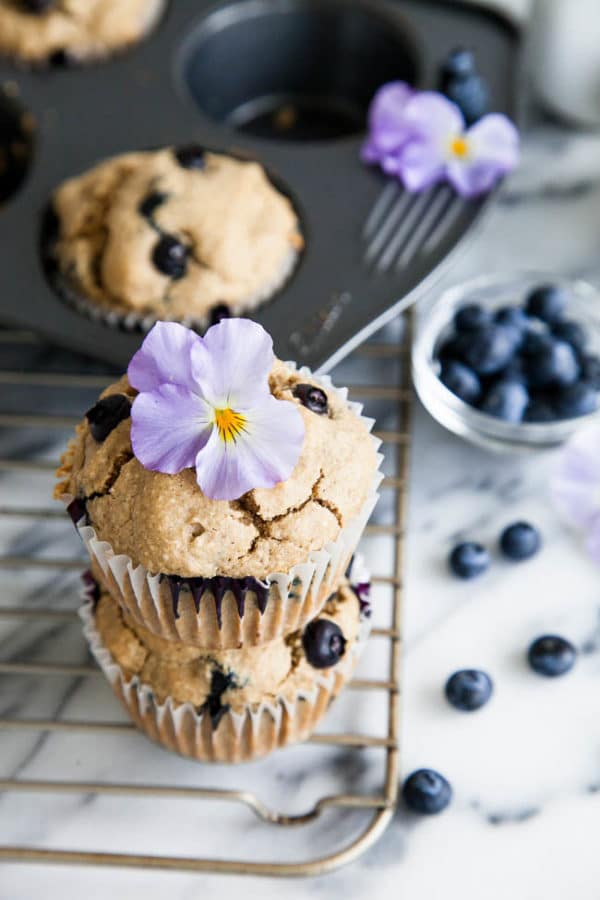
[
  {"x": 593, "y": 541},
  {"x": 169, "y": 426},
  {"x": 264, "y": 454},
  {"x": 164, "y": 357},
  {"x": 433, "y": 116},
  {"x": 576, "y": 480},
  {"x": 232, "y": 364},
  {"x": 387, "y": 126},
  {"x": 470, "y": 179},
  {"x": 495, "y": 139},
  {"x": 421, "y": 165}
]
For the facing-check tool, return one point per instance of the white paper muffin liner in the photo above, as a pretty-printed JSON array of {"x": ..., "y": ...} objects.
[
  {"x": 133, "y": 321},
  {"x": 256, "y": 731},
  {"x": 293, "y": 599}
]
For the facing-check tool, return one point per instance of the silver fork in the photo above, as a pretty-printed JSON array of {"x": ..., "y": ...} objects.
[{"x": 402, "y": 225}]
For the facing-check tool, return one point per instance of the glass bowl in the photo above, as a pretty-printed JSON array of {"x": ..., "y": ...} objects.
[{"x": 435, "y": 326}]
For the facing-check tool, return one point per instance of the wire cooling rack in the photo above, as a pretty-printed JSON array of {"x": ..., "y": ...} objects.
[{"x": 28, "y": 370}]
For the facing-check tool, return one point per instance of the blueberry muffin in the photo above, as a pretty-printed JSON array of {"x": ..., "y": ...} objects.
[
  {"x": 40, "y": 31},
  {"x": 232, "y": 705},
  {"x": 178, "y": 234},
  {"x": 218, "y": 573}
]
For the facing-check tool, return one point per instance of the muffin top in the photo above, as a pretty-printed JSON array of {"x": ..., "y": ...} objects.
[
  {"x": 217, "y": 681},
  {"x": 174, "y": 234},
  {"x": 40, "y": 30},
  {"x": 165, "y": 522}
]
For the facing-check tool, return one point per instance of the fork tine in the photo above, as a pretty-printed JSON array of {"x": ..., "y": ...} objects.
[
  {"x": 380, "y": 208},
  {"x": 451, "y": 213},
  {"x": 435, "y": 213},
  {"x": 419, "y": 203},
  {"x": 387, "y": 226}
]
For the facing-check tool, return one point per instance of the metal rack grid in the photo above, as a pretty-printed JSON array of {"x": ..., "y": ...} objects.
[{"x": 379, "y": 804}]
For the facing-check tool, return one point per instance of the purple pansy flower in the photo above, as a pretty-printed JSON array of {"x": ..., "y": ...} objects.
[
  {"x": 206, "y": 403},
  {"x": 576, "y": 485},
  {"x": 422, "y": 139}
]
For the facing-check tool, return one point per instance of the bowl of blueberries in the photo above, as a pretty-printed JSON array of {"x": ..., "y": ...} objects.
[{"x": 511, "y": 362}]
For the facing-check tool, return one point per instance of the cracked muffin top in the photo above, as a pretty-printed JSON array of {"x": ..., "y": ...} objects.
[
  {"x": 37, "y": 31},
  {"x": 175, "y": 234},
  {"x": 168, "y": 525},
  {"x": 218, "y": 681}
]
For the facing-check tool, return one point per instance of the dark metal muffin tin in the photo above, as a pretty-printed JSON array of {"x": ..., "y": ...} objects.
[{"x": 286, "y": 82}]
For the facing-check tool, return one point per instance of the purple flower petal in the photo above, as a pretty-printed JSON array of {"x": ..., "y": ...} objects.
[
  {"x": 493, "y": 150},
  {"x": 432, "y": 116},
  {"x": 232, "y": 364},
  {"x": 421, "y": 165},
  {"x": 593, "y": 540},
  {"x": 576, "y": 481},
  {"x": 169, "y": 427},
  {"x": 387, "y": 127},
  {"x": 164, "y": 357},
  {"x": 261, "y": 456}
]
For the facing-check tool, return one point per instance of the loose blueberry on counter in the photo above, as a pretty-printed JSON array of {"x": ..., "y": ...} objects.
[
  {"x": 555, "y": 363},
  {"x": 590, "y": 371},
  {"x": 547, "y": 302},
  {"x": 150, "y": 204},
  {"x": 520, "y": 541},
  {"x": 170, "y": 256},
  {"x": 313, "y": 398},
  {"x": 506, "y": 400},
  {"x": 426, "y": 791},
  {"x": 468, "y": 689},
  {"x": 489, "y": 349},
  {"x": 462, "y": 381},
  {"x": 468, "y": 560},
  {"x": 575, "y": 400},
  {"x": 324, "y": 643},
  {"x": 471, "y": 317},
  {"x": 191, "y": 157},
  {"x": 218, "y": 313},
  {"x": 106, "y": 415},
  {"x": 551, "y": 655},
  {"x": 571, "y": 333}
]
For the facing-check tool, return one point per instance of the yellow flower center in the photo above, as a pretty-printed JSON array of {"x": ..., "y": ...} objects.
[
  {"x": 229, "y": 423},
  {"x": 459, "y": 146}
]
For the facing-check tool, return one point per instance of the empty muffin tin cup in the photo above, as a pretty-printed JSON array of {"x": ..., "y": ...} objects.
[
  {"x": 295, "y": 69},
  {"x": 492, "y": 292}
]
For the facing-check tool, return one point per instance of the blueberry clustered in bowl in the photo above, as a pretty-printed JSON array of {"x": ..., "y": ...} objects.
[{"x": 520, "y": 356}]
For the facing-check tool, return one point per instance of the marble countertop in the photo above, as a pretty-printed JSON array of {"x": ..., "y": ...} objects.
[{"x": 525, "y": 770}]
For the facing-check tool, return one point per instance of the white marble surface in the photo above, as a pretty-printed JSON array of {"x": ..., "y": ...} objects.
[{"x": 525, "y": 770}]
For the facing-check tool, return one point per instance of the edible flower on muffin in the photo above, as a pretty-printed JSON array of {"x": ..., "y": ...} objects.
[
  {"x": 422, "y": 139},
  {"x": 205, "y": 403}
]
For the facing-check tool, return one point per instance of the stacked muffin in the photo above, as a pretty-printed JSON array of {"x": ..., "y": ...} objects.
[{"x": 224, "y": 621}]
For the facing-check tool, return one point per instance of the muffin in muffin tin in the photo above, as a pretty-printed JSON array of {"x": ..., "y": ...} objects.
[
  {"x": 233, "y": 705},
  {"x": 63, "y": 31},
  {"x": 178, "y": 234}
]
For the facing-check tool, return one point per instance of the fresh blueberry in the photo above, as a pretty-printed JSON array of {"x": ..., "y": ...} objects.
[
  {"x": 489, "y": 349},
  {"x": 536, "y": 341},
  {"x": 590, "y": 371},
  {"x": 539, "y": 411},
  {"x": 554, "y": 364},
  {"x": 36, "y": 6},
  {"x": 191, "y": 157},
  {"x": 470, "y": 94},
  {"x": 77, "y": 510},
  {"x": 468, "y": 560},
  {"x": 547, "y": 302},
  {"x": 324, "y": 643},
  {"x": 512, "y": 316},
  {"x": 506, "y": 400},
  {"x": 459, "y": 63},
  {"x": 453, "y": 348},
  {"x": 312, "y": 398},
  {"x": 551, "y": 655},
  {"x": 469, "y": 689},
  {"x": 462, "y": 381},
  {"x": 514, "y": 371},
  {"x": 571, "y": 333},
  {"x": 219, "y": 312},
  {"x": 106, "y": 415},
  {"x": 471, "y": 317},
  {"x": 520, "y": 541},
  {"x": 150, "y": 204},
  {"x": 170, "y": 256},
  {"x": 577, "y": 399},
  {"x": 426, "y": 791}
]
